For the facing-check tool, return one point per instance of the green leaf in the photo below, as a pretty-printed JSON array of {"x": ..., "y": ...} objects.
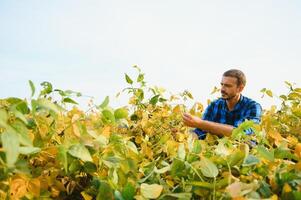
[
  {"x": 132, "y": 147},
  {"x": 117, "y": 195},
  {"x": 105, "y": 192},
  {"x": 177, "y": 168},
  {"x": 128, "y": 192},
  {"x": 179, "y": 195},
  {"x": 251, "y": 160},
  {"x": 69, "y": 100},
  {"x": 74, "y": 166},
  {"x": 201, "y": 184},
  {"x": 197, "y": 148},
  {"x": 47, "y": 88},
  {"x": 19, "y": 115},
  {"x": 152, "y": 191},
  {"x": 22, "y": 132},
  {"x": 263, "y": 90},
  {"x": 162, "y": 170},
  {"x": 236, "y": 158},
  {"x": 81, "y": 152},
  {"x": 121, "y": 113},
  {"x": 105, "y": 103},
  {"x": 3, "y": 118},
  {"x": 32, "y": 87},
  {"x": 162, "y": 99},
  {"x": 128, "y": 79},
  {"x": 265, "y": 190},
  {"x": 46, "y": 104},
  {"x": 186, "y": 92},
  {"x": 108, "y": 115},
  {"x": 240, "y": 130},
  {"x": 90, "y": 167},
  {"x": 154, "y": 99},
  {"x": 140, "y": 77},
  {"x": 61, "y": 92},
  {"x": 284, "y": 154},
  {"x": 22, "y": 107},
  {"x": 62, "y": 157},
  {"x": 208, "y": 168},
  {"x": 181, "y": 152},
  {"x": 140, "y": 94},
  {"x": 222, "y": 149},
  {"x": 10, "y": 144},
  {"x": 29, "y": 150},
  {"x": 264, "y": 153},
  {"x": 283, "y": 97},
  {"x": 288, "y": 84},
  {"x": 102, "y": 140}
]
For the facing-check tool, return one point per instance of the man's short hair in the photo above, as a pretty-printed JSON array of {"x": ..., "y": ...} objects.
[{"x": 239, "y": 75}]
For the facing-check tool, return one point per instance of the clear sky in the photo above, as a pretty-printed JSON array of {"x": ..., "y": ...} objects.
[{"x": 87, "y": 45}]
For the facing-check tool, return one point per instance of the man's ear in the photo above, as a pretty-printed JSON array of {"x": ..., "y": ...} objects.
[{"x": 241, "y": 87}]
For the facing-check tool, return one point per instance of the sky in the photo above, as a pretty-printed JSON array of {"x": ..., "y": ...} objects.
[{"x": 88, "y": 46}]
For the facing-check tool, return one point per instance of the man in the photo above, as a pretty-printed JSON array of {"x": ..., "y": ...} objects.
[{"x": 227, "y": 112}]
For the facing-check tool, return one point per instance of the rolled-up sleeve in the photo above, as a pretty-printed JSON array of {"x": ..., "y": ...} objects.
[{"x": 206, "y": 116}]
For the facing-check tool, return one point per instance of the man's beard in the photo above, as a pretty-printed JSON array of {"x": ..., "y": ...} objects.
[{"x": 228, "y": 97}]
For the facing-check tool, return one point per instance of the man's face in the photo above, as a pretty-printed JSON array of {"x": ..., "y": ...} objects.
[{"x": 229, "y": 87}]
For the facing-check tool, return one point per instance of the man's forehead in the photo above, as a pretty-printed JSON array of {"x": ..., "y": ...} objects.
[{"x": 229, "y": 80}]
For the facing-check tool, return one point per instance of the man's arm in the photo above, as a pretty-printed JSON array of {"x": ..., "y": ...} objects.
[{"x": 211, "y": 127}]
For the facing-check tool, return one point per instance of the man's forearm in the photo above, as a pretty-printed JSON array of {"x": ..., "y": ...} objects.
[{"x": 215, "y": 128}]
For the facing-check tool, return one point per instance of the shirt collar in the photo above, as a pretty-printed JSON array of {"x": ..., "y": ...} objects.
[{"x": 237, "y": 105}]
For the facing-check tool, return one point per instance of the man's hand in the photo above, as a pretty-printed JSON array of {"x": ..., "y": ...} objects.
[
  {"x": 208, "y": 126},
  {"x": 191, "y": 121}
]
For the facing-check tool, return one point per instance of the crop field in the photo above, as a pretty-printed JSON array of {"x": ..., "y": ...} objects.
[{"x": 51, "y": 149}]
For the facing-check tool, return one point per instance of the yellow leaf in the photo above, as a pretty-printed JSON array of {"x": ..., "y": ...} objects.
[
  {"x": 276, "y": 136},
  {"x": 76, "y": 130},
  {"x": 298, "y": 166},
  {"x": 34, "y": 187},
  {"x": 215, "y": 90},
  {"x": 287, "y": 188},
  {"x": 43, "y": 130},
  {"x": 18, "y": 188},
  {"x": 177, "y": 109},
  {"x": 152, "y": 191},
  {"x": 171, "y": 148},
  {"x": 106, "y": 131},
  {"x": 55, "y": 192},
  {"x": 170, "y": 183},
  {"x": 147, "y": 151},
  {"x": 208, "y": 101},
  {"x": 180, "y": 136},
  {"x": 298, "y": 150},
  {"x": 269, "y": 93},
  {"x": 86, "y": 196},
  {"x": 138, "y": 139}
]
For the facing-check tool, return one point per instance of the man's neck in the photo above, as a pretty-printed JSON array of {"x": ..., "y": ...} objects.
[{"x": 232, "y": 102}]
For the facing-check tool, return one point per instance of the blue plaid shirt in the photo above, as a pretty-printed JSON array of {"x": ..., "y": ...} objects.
[{"x": 218, "y": 111}]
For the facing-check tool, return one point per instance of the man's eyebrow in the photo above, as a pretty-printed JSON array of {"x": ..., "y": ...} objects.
[{"x": 226, "y": 84}]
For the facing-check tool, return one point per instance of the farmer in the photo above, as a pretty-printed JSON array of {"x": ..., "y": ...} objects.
[{"x": 227, "y": 112}]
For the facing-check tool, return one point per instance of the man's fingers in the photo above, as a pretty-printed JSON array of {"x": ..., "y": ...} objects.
[{"x": 186, "y": 115}]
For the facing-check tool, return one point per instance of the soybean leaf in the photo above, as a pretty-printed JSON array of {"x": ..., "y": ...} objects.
[
  {"x": 128, "y": 79},
  {"x": 32, "y": 87},
  {"x": 81, "y": 152},
  {"x": 10, "y": 144},
  {"x": 105, "y": 103}
]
